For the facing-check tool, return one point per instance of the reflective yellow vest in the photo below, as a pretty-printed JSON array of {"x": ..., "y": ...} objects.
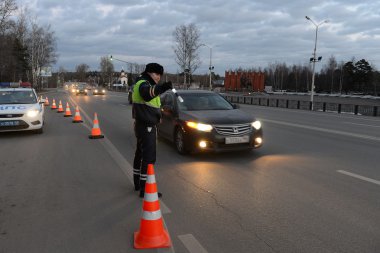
[{"x": 137, "y": 99}]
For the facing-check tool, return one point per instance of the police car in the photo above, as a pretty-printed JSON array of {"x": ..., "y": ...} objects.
[{"x": 20, "y": 109}]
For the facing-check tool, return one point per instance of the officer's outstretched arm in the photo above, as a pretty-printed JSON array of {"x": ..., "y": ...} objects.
[
  {"x": 147, "y": 91},
  {"x": 161, "y": 88}
]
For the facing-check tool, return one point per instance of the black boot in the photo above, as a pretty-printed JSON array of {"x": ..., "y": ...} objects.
[{"x": 142, "y": 188}]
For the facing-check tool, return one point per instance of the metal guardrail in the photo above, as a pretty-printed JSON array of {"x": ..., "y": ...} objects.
[{"x": 368, "y": 110}]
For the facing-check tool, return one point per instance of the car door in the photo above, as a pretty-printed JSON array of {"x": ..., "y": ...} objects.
[{"x": 168, "y": 112}]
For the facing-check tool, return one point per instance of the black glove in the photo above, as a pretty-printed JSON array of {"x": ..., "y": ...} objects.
[
  {"x": 167, "y": 86},
  {"x": 161, "y": 88}
]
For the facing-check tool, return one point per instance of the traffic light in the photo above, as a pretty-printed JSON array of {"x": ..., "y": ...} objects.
[
  {"x": 211, "y": 68},
  {"x": 111, "y": 57}
]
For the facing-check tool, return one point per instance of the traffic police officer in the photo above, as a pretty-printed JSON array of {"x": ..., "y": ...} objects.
[{"x": 147, "y": 114}]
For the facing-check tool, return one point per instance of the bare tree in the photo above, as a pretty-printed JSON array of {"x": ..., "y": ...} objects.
[
  {"x": 7, "y": 7},
  {"x": 137, "y": 68},
  {"x": 278, "y": 72},
  {"x": 106, "y": 69},
  {"x": 7, "y": 59},
  {"x": 330, "y": 70},
  {"x": 61, "y": 75},
  {"x": 187, "y": 43},
  {"x": 41, "y": 44},
  {"x": 296, "y": 69},
  {"x": 82, "y": 70},
  {"x": 21, "y": 26}
]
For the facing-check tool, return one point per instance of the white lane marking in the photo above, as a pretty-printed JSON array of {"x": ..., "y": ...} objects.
[
  {"x": 359, "y": 177},
  {"x": 368, "y": 137},
  {"x": 362, "y": 124},
  {"x": 127, "y": 168},
  {"x": 124, "y": 165},
  {"x": 191, "y": 244}
]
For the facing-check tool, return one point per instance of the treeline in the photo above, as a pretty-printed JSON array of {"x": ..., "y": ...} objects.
[
  {"x": 25, "y": 46},
  {"x": 344, "y": 77}
]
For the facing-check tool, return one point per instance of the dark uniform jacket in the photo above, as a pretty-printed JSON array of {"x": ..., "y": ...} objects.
[{"x": 144, "y": 113}]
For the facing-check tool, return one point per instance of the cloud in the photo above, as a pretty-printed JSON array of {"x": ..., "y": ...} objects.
[{"x": 242, "y": 33}]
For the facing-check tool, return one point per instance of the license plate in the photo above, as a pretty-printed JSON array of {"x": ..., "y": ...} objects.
[
  {"x": 237, "y": 139},
  {"x": 9, "y": 123}
]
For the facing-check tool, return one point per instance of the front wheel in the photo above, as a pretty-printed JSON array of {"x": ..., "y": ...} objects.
[{"x": 179, "y": 141}]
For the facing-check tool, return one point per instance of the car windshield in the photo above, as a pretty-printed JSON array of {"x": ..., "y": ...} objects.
[
  {"x": 203, "y": 101},
  {"x": 17, "y": 97}
]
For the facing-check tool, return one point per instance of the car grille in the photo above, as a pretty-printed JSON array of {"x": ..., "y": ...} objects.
[
  {"x": 233, "y": 129},
  {"x": 6, "y": 116}
]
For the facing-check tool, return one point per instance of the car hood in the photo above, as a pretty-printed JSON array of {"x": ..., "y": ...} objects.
[
  {"x": 218, "y": 117},
  {"x": 17, "y": 108}
]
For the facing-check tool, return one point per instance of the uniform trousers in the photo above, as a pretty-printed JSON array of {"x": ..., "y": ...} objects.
[{"x": 145, "y": 153}]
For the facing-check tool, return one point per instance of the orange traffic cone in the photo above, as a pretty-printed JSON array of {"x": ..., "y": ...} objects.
[
  {"x": 46, "y": 102},
  {"x": 60, "y": 108},
  {"x": 95, "y": 132},
  {"x": 67, "y": 112},
  {"x": 53, "y": 105},
  {"x": 77, "y": 117},
  {"x": 152, "y": 233}
]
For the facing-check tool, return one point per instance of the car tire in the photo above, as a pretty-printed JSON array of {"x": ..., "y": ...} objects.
[{"x": 179, "y": 141}]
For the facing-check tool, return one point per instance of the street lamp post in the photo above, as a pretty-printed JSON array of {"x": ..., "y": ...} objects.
[
  {"x": 112, "y": 58},
  {"x": 314, "y": 58},
  {"x": 210, "y": 68}
]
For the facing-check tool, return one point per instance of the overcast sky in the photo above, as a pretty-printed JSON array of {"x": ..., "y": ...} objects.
[{"x": 242, "y": 33}]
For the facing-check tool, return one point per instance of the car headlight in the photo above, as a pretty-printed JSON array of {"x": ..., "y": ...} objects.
[
  {"x": 77, "y": 90},
  {"x": 199, "y": 126},
  {"x": 85, "y": 90},
  {"x": 103, "y": 90},
  {"x": 96, "y": 91},
  {"x": 256, "y": 124},
  {"x": 32, "y": 113}
]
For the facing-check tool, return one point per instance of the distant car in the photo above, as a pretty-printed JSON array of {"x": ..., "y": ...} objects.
[
  {"x": 21, "y": 110},
  {"x": 99, "y": 91},
  {"x": 81, "y": 89},
  {"x": 205, "y": 121}
]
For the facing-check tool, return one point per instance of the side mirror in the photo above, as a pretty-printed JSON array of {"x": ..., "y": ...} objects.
[
  {"x": 235, "y": 106},
  {"x": 42, "y": 101}
]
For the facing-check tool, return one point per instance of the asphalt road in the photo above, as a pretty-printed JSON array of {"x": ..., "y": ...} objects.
[{"x": 313, "y": 187}]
